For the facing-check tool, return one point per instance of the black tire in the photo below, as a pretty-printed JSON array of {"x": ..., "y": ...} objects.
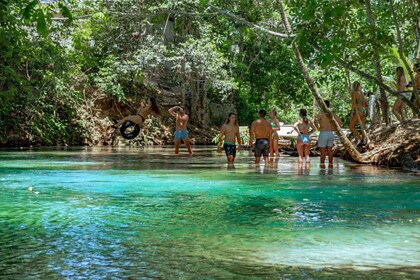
[{"x": 132, "y": 132}]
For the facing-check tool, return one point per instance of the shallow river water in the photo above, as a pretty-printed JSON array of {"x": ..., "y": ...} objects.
[{"x": 141, "y": 213}]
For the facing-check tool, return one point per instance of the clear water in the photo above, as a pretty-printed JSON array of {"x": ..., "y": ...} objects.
[{"x": 132, "y": 213}]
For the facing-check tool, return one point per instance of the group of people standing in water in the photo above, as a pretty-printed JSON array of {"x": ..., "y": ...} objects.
[
  {"x": 264, "y": 138},
  {"x": 263, "y": 133}
]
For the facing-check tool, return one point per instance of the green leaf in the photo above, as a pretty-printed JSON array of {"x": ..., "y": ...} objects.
[
  {"x": 66, "y": 11},
  {"x": 41, "y": 24},
  {"x": 29, "y": 9}
]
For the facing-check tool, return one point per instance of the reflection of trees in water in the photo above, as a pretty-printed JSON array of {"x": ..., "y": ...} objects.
[{"x": 370, "y": 169}]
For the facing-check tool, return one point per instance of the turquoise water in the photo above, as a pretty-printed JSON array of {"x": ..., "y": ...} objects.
[{"x": 132, "y": 213}]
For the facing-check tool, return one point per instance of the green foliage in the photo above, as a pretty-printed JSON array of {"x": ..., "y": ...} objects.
[
  {"x": 116, "y": 47},
  {"x": 107, "y": 79}
]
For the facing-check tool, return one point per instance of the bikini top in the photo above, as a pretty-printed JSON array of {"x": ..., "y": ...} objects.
[
  {"x": 303, "y": 125},
  {"x": 273, "y": 124}
]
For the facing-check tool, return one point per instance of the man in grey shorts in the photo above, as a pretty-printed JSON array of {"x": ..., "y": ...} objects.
[
  {"x": 261, "y": 131},
  {"x": 326, "y": 135}
]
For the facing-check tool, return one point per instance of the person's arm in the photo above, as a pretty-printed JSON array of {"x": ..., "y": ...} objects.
[
  {"x": 186, "y": 118},
  {"x": 172, "y": 111},
  {"x": 311, "y": 123},
  {"x": 317, "y": 121},
  {"x": 417, "y": 80},
  {"x": 221, "y": 137},
  {"x": 295, "y": 127},
  {"x": 251, "y": 135},
  {"x": 238, "y": 139},
  {"x": 353, "y": 103}
]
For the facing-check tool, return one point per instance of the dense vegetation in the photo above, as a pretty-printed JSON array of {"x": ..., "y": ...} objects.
[{"x": 216, "y": 56}]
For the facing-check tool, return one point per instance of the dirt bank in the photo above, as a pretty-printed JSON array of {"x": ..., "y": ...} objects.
[{"x": 395, "y": 146}]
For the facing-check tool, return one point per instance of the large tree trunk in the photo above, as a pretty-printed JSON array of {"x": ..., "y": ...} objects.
[
  {"x": 206, "y": 109},
  {"x": 355, "y": 155},
  {"x": 384, "y": 99},
  {"x": 195, "y": 92},
  {"x": 416, "y": 23}
]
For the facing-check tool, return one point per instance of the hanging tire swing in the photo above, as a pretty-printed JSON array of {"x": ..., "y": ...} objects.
[{"x": 129, "y": 130}]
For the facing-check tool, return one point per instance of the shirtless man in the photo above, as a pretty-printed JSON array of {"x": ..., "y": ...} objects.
[
  {"x": 229, "y": 132},
  {"x": 326, "y": 135},
  {"x": 181, "y": 132},
  {"x": 261, "y": 131}
]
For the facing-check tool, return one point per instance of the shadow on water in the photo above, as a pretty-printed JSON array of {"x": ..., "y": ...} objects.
[{"x": 104, "y": 212}]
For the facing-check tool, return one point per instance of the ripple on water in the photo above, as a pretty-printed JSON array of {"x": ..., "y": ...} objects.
[{"x": 139, "y": 213}]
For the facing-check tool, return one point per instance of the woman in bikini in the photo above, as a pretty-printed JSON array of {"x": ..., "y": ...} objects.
[
  {"x": 399, "y": 106},
  {"x": 143, "y": 113},
  {"x": 275, "y": 125},
  {"x": 358, "y": 104},
  {"x": 304, "y": 128}
]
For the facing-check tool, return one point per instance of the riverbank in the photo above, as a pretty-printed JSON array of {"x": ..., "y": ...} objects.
[{"x": 395, "y": 146}]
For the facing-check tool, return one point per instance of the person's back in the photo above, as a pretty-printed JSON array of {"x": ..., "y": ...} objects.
[
  {"x": 326, "y": 136},
  {"x": 324, "y": 123},
  {"x": 262, "y": 129}
]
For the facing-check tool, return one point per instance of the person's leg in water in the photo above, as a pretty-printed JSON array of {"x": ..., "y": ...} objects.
[
  {"x": 187, "y": 144},
  {"x": 330, "y": 155},
  {"x": 230, "y": 151},
  {"x": 299, "y": 147},
  {"x": 306, "y": 149},
  {"x": 132, "y": 118},
  {"x": 257, "y": 153},
  {"x": 323, "y": 151},
  {"x": 177, "y": 144},
  {"x": 274, "y": 144}
]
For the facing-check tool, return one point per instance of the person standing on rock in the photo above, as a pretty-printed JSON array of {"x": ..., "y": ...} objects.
[
  {"x": 181, "y": 132},
  {"x": 399, "y": 106}
]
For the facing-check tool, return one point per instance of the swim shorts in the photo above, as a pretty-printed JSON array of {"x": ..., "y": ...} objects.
[
  {"x": 325, "y": 139},
  {"x": 230, "y": 149},
  {"x": 181, "y": 134},
  {"x": 304, "y": 138},
  {"x": 262, "y": 147}
]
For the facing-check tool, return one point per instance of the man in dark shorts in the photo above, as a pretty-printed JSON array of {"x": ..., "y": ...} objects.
[
  {"x": 261, "y": 131},
  {"x": 229, "y": 133}
]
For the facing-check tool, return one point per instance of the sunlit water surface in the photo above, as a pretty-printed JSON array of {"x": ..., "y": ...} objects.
[{"x": 118, "y": 213}]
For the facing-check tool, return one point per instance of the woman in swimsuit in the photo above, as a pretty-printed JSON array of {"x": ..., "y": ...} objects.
[
  {"x": 275, "y": 125},
  {"x": 151, "y": 108},
  {"x": 304, "y": 128},
  {"x": 399, "y": 106},
  {"x": 358, "y": 104}
]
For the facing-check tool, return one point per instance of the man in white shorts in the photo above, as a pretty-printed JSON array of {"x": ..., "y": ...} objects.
[{"x": 326, "y": 135}]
